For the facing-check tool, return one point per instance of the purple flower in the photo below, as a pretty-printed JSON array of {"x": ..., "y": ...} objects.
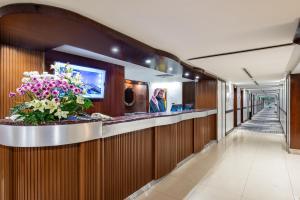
[
  {"x": 12, "y": 94},
  {"x": 77, "y": 90},
  {"x": 55, "y": 92},
  {"x": 56, "y": 100},
  {"x": 46, "y": 93},
  {"x": 34, "y": 90},
  {"x": 71, "y": 87}
]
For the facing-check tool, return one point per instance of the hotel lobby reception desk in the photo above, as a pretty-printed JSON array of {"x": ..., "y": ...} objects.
[{"x": 98, "y": 160}]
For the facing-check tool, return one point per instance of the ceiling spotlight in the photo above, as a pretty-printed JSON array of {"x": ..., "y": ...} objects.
[
  {"x": 148, "y": 61},
  {"x": 170, "y": 69},
  {"x": 186, "y": 74},
  {"x": 197, "y": 77},
  {"x": 115, "y": 49}
]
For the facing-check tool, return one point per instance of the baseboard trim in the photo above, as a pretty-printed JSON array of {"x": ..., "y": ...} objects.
[
  {"x": 294, "y": 151},
  {"x": 229, "y": 131}
]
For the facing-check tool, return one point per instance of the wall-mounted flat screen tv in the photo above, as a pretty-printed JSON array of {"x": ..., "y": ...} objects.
[{"x": 94, "y": 79}]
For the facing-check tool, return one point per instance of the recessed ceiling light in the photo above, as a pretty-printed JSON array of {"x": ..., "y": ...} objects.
[
  {"x": 148, "y": 61},
  {"x": 197, "y": 77},
  {"x": 170, "y": 69},
  {"x": 186, "y": 74},
  {"x": 115, "y": 49}
]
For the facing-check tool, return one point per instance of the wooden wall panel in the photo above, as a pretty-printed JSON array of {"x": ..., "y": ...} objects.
[
  {"x": 128, "y": 163},
  {"x": 188, "y": 93},
  {"x": 5, "y": 173},
  {"x": 141, "y": 98},
  {"x": 40, "y": 173},
  {"x": 185, "y": 139},
  {"x": 13, "y": 62},
  {"x": 91, "y": 170},
  {"x": 206, "y": 130},
  {"x": 212, "y": 125},
  {"x": 165, "y": 149},
  {"x": 295, "y": 112},
  {"x": 199, "y": 132},
  {"x": 206, "y": 94}
]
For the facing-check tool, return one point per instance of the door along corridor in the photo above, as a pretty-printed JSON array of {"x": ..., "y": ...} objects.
[{"x": 251, "y": 163}]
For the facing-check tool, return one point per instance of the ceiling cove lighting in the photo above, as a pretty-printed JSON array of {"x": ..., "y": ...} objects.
[
  {"x": 148, "y": 61},
  {"x": 115, "y": 50}
]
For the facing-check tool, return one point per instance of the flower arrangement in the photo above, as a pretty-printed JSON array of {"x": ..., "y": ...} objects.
[{"x": 50, "y": 97}]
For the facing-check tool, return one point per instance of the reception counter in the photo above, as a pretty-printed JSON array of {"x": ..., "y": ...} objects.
[{"x": 98, "y": 159}]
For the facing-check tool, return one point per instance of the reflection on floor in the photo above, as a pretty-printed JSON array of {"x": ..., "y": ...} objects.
[
  {"x": 266, "y": 121},
  {"x": 247, "y": 165}
]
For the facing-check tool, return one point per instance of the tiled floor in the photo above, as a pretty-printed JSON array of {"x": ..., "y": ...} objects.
[{"x": 246, "y": 165}]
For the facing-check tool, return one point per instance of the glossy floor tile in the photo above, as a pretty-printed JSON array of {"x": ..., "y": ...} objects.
[{"x": 246, "y": 165}]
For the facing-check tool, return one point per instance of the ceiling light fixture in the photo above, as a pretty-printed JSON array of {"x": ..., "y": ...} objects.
[
  {"x": 170, "y": 69},
  {"x": 186, "y": 74},
  {"x": 115, "y": 49},
  {"x": 148, "y": 61},
  {"x": 197, "y": 77}
]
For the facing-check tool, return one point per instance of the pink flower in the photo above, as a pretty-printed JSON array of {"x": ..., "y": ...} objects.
[
  {"x": 55, "y": 92},
  {"x": 34, "y": 90},
  {"x": 77, "y": 90},
  {"x": 46, "y": 93},
  {"x": 12, "y": 94}
]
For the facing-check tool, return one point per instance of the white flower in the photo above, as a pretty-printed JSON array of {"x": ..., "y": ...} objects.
[
  {"x": 16, "y": 118},
  {"x": 56, "y": 68},
  {"x": 61, "y": 114},
  {"x": 84, "y": 91},
  {"x": 51, "y": 105},
  {"x": 37, "y": 105},
  {"x": 25, "y": 79},
  {"x": 80, "y": 100},
  {"x": 26, "y": 74}
]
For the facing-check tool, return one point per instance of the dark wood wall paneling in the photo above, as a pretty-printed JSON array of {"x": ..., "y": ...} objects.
[
  {"x": 112, "y": 104},
  {"x": 13, "y": 63},
  {"x": 128, "y": 163},
  {"x": 165, "y": 149},
  {"x": 185, "y": 139},
  {"x": 203, "y": 94},
  {"x": 141, "y": 93},
  {"x": 295, "y": 112}
]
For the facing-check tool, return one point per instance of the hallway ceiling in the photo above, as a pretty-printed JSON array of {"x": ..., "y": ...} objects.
[{"x": 196, "y": 28}]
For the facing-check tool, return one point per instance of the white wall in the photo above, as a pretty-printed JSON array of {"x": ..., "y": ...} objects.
[
  {"x": 174, "y": 92},
  {"x": 229, "y": 106},
  {"x": 221, "y": 110},
  {"x": 238, "y": 106},
  {"x": 246, "y": 109}
]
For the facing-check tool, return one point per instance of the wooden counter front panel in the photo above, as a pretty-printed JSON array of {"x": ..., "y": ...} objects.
[
  {"x": 5, "y": 173},
  {"x": 165, "y": 149},
  {"x": 199, "y": 132},
  {"x": 185, "y": 139},
  {"x": 39, "y": 173},
  {"x": 128, "y": 163},
  {"x": 212, "y": 126}
]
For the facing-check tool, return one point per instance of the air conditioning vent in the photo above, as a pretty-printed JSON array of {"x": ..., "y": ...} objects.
[{"x": 164, "y": 75}]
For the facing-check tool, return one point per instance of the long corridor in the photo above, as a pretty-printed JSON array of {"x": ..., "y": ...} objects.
[{"x": 250, "y": 164}]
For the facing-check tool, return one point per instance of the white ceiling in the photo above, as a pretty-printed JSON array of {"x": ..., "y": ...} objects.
[
  {"x": 264, "y": 65},
  {"x": 193, "y": 28}
]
